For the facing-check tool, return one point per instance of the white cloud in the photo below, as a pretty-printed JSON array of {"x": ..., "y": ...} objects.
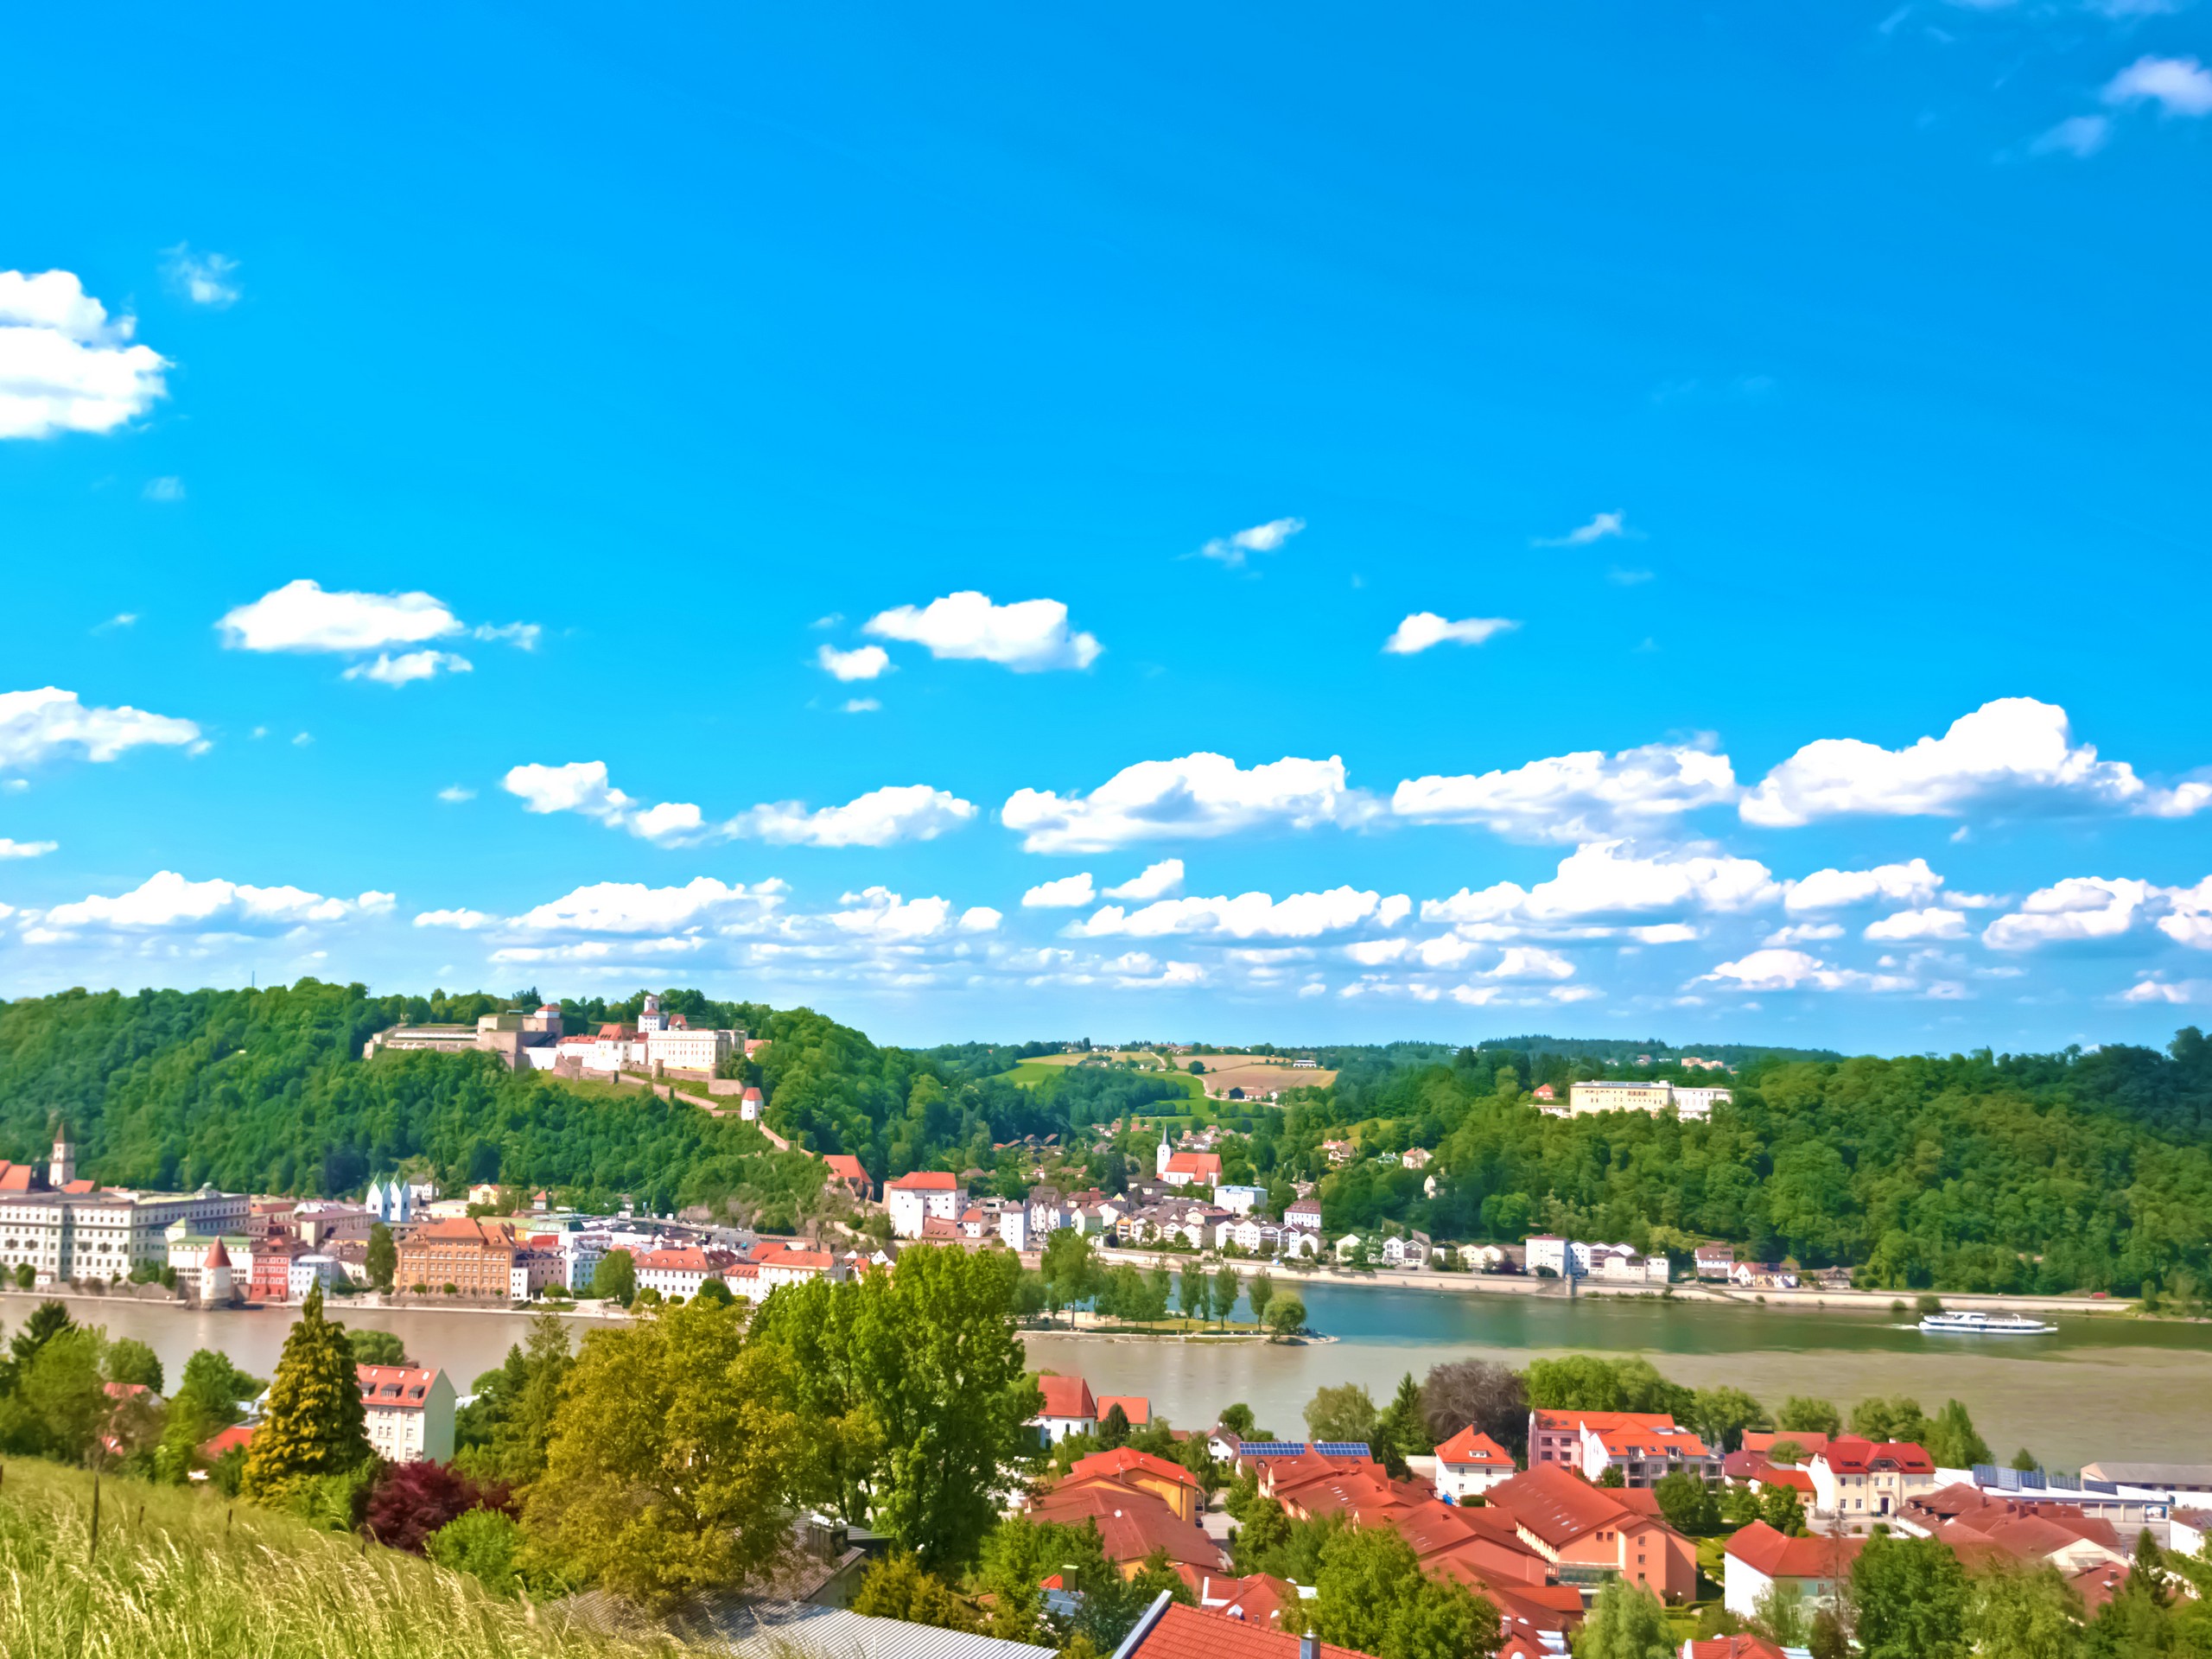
[
  {"x": 2077, "y": 135},
  {"x": 37, "y": 726},
  {"x": 898, "y": 812},
  {"x": 1931, "y": 923},
  {"x": 2180, "y": 992},
  {"x": 408, "y": 665},
  {"x": 300, "y": 616},
  {"x": 1251, "y": 915},
  {"x": 1425, "y": 628},
  {"x": 167, "y": 902},
  {"x": 1912, "y": 883},
  {"x": 26, "y": 848},
  {"x": 861, "y": 705},
  {"x": 1260, "y": 538},
  {"x": 1804, "y": 933},
  {"x": 64, "y": 366},
  {"x": 1200, "y": 795},
  {"x": 522, "y": 636},
  {"x": 208, "y": 279},
  {"x": 1609, "y": 878},
  {"x": 2012, "y": 754},
  {"x": 2190, "y": 922},
  {"x": 453, "y": 794},
  {"x": 164, "y": 489},
  {"x": 1158, "y": 881},
  {"x": 2082, "y": 909},
  {"x": 631, "y": 907},
  {"x": 1067, "y": 892},
  {"x": 865, "y": 663},
  {"x": 1575, "y": 796},
  {"x": 1599, "y": 529},
  {"x": 881, "y": 916},
  {"x": 1531, "y": 961},
  {"x": 1790, "y": 970},
  {"x": 2179, "y": 86},
  {"x": 1027, "y": 637},
  {"x": 468, "y": 921}
]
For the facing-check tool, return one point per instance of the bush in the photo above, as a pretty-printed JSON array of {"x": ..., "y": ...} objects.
[
  {"x": 410, "y": 1501},
  {"x": 486, "y": 1543}
]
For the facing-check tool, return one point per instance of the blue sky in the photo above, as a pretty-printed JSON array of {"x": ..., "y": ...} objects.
[{"x": 1480, "y": 523}]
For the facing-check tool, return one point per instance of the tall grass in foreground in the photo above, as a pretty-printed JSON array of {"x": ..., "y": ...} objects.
[{"x": 181, "y": 1574}]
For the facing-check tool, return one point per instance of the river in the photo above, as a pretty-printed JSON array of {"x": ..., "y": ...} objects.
[{"x": 2102, "y": 1386}]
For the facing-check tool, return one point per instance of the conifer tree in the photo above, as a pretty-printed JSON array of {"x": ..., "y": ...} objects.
[{"x": 316, "y": 1424}]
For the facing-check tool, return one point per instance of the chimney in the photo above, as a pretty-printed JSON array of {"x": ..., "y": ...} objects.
[{"x": 1309, "y": 1646}]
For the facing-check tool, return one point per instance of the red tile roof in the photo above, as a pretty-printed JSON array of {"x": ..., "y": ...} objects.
[
  {"x": 1734, "y": 1647},
  {"x": 1131, "y": 1524},
  {"x": 1758, "y": 1439},
  {"x": 1471, "y": 1448},
  {"x": 1066, "y": 1397},
  {"x": 1127, "y": 1460},
  {"x": 1779, "y": 1556},
  {"x": 924, "y": 1180},
  {"x": 845, "y": 1167},
  {"x": 2098, "y": 1584},
  {"x": 396, "y": 1387},
  {"x": 236, "y": 1435},
  {"x": 1601, "y": 1420},
  {"x": 1135, "y": 1406},
  {"x": 1183, "y": 1633},
  {"x": 1555, "y": 1506},
  {"x": 1854, "y": 1456}
]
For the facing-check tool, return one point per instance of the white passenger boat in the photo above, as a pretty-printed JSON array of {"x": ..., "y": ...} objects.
[{"x": 1980, "y": 1324}]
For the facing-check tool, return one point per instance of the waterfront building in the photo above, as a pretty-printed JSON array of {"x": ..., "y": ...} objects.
[
  {"x": 66, "y": 1227},
  {"x": 409, "y": 1411}
]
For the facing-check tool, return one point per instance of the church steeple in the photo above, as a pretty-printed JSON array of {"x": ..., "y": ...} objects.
[
  {"x": 1159, "y": 1159},
  {"x": 62, "y": 1169}
]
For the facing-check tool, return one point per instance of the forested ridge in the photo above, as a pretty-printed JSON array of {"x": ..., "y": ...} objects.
[{"x": 2053, "y": 1172}]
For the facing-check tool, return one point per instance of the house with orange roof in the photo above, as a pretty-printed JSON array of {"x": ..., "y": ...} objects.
[
  {"x": 1645, "y": 1455},
  {"x": 1469, "y": 1464},
  {"x": 1859, "y": 1480},
  {"x": 924, "y": 1196},
  {"x": 1758, "y": 1558},
  {"x": 1069, "y": 1409},
  {"x": 1132, "y": 1524},
  {"x": 1141, "y": 1471},
  {"x": 1169, "y": 1629},
  {"x": 1137, "y": 1408},
  {"x": 845, "y": 1170},
  {"x": 1555, "y": 1437},
  {"x": 410, "y": 1412},
  {"x": 1590, "y": 1534},
  {"x": 1743, "y": 1646}
]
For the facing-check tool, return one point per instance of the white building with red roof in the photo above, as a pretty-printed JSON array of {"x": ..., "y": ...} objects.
[
  {"x": 1069, "y": 1409},
  {"x": 1646, "y": 1453},
  {"x": 409, "y": 1411},
  {"x": 1758, "y": 1558},
  {"x": 1469, "y": 1464},
  {"x": 1861, "y": 1480},
  {"x": 680, "y": 1272},
  {"x": 925, "y": 1194}
]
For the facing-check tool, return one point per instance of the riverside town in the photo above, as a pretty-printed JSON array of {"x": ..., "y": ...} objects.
[{"x": 1137, "y": 832}]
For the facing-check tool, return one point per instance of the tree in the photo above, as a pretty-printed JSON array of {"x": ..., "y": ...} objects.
[
  {"x": 897, "y": 1586},
  {"x": 215, "y": 1386},
  {"x": 1688, "y": 1503},
  {"x": 1803, "y": 1415},
  {"x": 1780, "y": 1508},
  {"x": 675, "y": 1456},
  {"x": 1612, "y": 1476},
  {"x": 1195, "y": 1292},
  {"x": 1227, "y": 1286},
  {"x": 1345, "y": 1411},
  {"x": 58, "y": 1407},
  {"x": 1114, "y": 1427},
  {"x": 1912, "y": 1600},
  {"x": 1238, "y": 1421},
  {"x": 1259, "y": 1293},
  {"x": 1785, "y": 1451},
  {"x": 48, "y": 1320},
  {"x": 1952, "y": 1442},
  {"x": 377, "y": 1348},
  {"x": 488, "y": 1545},
  {"x": 1263, "y": 1531},
  {"x": 1373, "y": 1598},
  {"x": 715, "y": 1290},
  {"x": 1285, "y": 1316},
  {"x": 1778, "y": 1613},
  {"x": 25, "y": 1277},
  {"x": 383, "y": 1258},
  {"x": 1720, "y": 1416},
  {"x": 130, "y": 1360},
  {"x": 1479, "y": 1394},
  {"x": 1068, "y": 1268},
  {"x": 316, "y": 1426},
  {"x": 1625, "y": 1622},
  {"x": 2024, "y": 1461},
  {"x": 615, "y": 1278},
  {"x": 410, "y": 1501},
  {"x": 1900, "y": 1419},
  {"x": 1402, "y": 1424},
  {"x": 2024, "y": 1615}
]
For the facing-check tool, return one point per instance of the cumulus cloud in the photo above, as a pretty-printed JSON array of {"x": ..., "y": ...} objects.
[
  {"x": 26, "y": 848},
  {"x": 1028, "y": 636},
  {"x": 1575, "y": 796},
  {"x": 2080, "y": 910},
  {"x": 1200, "y": 795},
  {"x": 865, "y": 663},
  {"x": 1067, "y": 892},
  {"x": 2014, "y": 754},
  {"x": 1609, "y": 878},
  {"x": 861, "y": 706},
  {"x": 1793, "y": 970},
  {"x": 1929, "y": 923},
  {"x": 208, "y": 279},
  {"x": 468, "y": 921},
  {"x": 2077, "y": 136},
  {"x": 65, "y": 367},
  {"x": 1425, "y": 628},
  {"x": 46, "y": 724},
  {"x": 167, "y": 902},
  {"x": 631, "y": 908},
  {"x": 1912, "y": 883},
  {"x": 1531, "y": 961},
  {"x": 1804, "y": 933},
  {"x": 894, "y": 813},
  {"x": 1248, "y": 916},
  {"x": 453, "y": 794},
  {"x": 2178, "y": 85},
  {"x": 1260, "y": 538},
  {"x": 2190, "y": 918},
  {"x": 1600, "y": 528},
  {"x": 408, "y": 665},
  {"x": 2176, "y": 993},
  {"x": 1158, "y": 881}
]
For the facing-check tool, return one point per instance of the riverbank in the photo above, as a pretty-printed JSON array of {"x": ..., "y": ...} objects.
[{"x": 1693, "y": 1293}]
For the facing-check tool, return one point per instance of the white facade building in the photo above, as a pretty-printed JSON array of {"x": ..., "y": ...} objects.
[
  {"x": 1564, "y": 1257},
  {"x": 1643, "y": 1097},
  {"x": 409, "y": 1413},
  {"x": 105, "y": 1233},
  {"x": 915, "y": 1199},
  {"x": 1241, "y": 1200},
  {"x": 306, "y": 1272}
]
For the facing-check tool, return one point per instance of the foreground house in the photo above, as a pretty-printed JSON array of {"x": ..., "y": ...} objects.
[
  {"x": 410, "y": 1412},
  {"x": 1857, "y": 1480},
  {"x": 1590, "y": 1534},
  {"x": 1171, "y": 1631},
  {"x": 1758, "y": 1558},
  {"x": 1469, "y": 1464}
]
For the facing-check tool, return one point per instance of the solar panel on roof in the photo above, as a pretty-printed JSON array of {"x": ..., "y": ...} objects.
[
  {"x": 1272, "y": 1448},
  {"x": 1341, "y": 1448},
  {"x": 2111, "y": 1489}
]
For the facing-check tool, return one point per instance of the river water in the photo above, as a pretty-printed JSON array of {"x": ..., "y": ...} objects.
[{"x": 2100, "y": 1387}]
